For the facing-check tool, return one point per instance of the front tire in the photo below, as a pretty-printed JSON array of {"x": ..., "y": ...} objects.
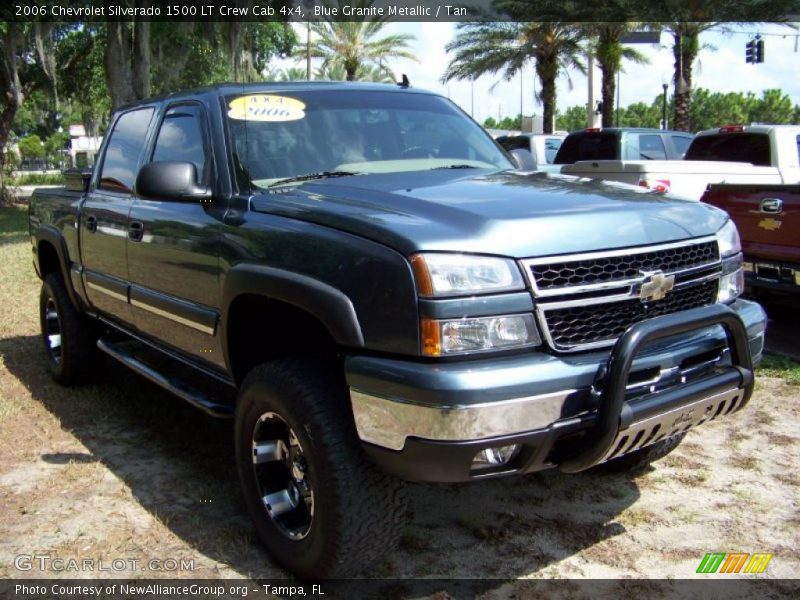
[
  {"x": 69, "y": 338},
  {"x": 319, "y": 505}
]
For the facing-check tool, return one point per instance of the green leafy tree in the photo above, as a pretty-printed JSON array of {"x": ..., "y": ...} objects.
[
  {"x": 514, "y": 123},
  {"x": 492, "y": 47},
  {"x": 490, "y": 123},
  {"x": 31, "y": 146},
  {"x": 641, "y": 114},
  {"x": 774, "y": 106},
  {"x": 572, "y": 119},
  {"x": 352, "y": 44},
  {"x": 712, "y": 109}
]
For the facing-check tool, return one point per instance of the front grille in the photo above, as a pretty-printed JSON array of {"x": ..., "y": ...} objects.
[
  {"x": 601, "y": 269},
  {"x": 575, "y": 326},
  {"x": 587, "y": 301}
]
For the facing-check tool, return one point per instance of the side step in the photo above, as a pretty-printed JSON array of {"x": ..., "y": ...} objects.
[{"x": 122, "y": 352}]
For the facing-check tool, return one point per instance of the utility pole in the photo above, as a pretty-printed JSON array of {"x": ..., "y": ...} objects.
[
  {"x": 664, "y": 106},
  {"x": 472, "y": 98}
]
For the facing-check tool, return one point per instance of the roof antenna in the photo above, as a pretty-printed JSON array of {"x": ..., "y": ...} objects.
[{"x": 405, "y": 83}]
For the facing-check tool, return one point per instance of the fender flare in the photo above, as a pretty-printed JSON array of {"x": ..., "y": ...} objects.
[
  {"x": 328, "y": 304},
  {"x": 53, "y": 236}
]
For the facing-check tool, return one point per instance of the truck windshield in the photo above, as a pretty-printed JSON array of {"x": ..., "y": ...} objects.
[
  {"x": 588, "y": 145},
  {"x": 280, "y": 135},
  {"x": 734, "y": 147}
]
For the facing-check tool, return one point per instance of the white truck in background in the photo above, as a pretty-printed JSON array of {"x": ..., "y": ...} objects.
[{"x": 736, "y": 154}]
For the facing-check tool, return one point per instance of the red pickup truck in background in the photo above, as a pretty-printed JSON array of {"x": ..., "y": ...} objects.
[{"x": 768, "y": 219}]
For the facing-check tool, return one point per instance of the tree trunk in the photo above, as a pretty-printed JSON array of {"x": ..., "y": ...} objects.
[
  {"x": 118, "y": 64},
  {"x": 46, "y": 57},
  {"x": 685, "y": 49},
  {"x": 12, "y": 91},
  {"x": 350, "y": 69},
  {"x": 141, "y": 59},
  {"x": 607, "y": 94},
  {"x": 547, "y": 71}
]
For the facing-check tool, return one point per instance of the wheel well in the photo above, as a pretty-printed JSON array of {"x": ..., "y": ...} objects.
[
  {"x": 261, "y": 329},
  {"x": 48, "y": 259}
]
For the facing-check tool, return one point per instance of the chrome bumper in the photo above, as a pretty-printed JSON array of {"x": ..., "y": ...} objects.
[{"x": 388, "y": 422}]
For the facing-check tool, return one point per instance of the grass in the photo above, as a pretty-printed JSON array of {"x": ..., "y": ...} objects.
[
  {"x": 38, "y": 179},
  {"x": 13, "y": 220},
  {"x": 782, "y": 367}
]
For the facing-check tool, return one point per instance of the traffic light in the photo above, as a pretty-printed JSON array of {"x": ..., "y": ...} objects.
[
  {"x": 750, "y": 52},
  {"x": 759, "y": 54}
]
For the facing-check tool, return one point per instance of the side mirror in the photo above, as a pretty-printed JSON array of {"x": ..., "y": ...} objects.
[
  {"x": 523, "y": 159},
  {"x": 171, "y": 180}
]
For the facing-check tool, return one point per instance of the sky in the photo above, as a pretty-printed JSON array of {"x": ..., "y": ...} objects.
[{"x": 721, "y": 67}]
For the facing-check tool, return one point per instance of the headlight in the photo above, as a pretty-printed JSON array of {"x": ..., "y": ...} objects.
[
  {"x": 464, "y": 274},
  {"x": 731, "y": 281},
  {"x": 462, "y": 336},
  {"x": 728, "y": 240}
]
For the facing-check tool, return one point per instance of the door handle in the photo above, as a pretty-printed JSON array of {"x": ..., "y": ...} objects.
[
  {"x": 771, "y": 206},
  {"x": 135, "y": 231},
  {"x": 91, "y": 223}
]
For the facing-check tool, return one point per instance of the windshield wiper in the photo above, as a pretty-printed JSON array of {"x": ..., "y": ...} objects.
[
  {"x": 458, "y": 166},
  {"x": 310, "y": 176}
]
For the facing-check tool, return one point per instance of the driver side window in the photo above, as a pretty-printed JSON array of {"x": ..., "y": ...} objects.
[{"x": 181, "y": 138}]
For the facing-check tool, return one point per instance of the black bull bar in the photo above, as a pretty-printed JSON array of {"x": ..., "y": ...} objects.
[{"x": 625, "y": 425}]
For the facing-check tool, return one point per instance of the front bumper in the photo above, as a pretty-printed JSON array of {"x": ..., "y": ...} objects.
[{"x": 427, "y": 421}]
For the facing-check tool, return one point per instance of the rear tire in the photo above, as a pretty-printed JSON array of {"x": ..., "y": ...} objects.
[
  {"x": 319, "y": 505},
  {"x": 69, "y": 338},
  {"x": 641, "y": 458}
]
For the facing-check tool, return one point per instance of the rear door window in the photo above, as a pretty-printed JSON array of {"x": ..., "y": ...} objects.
[
  {"x": 681, "y": 144},
  {"x": 651, "y": 147},
  {"x": 588, "y": 145},
  {"x": 735, "y": 147},
  {"x": 123, "y": 151},
  {"x": 551, "y": 146}
]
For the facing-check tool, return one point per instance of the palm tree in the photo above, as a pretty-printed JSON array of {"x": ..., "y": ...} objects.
[
  {"x": 686, "y": 21},
  {"x": 609, "y": 51},
  {"x": 508, "y": 46},
  {"x": 373, "y": 73},
  {"x": 352, "y": 44}
]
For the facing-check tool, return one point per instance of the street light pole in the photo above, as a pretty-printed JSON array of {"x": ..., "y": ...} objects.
[{"x": 664, "y": 106}]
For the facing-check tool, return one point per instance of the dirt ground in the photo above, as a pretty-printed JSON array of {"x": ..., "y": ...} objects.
[{"x": 122, "y": 470}]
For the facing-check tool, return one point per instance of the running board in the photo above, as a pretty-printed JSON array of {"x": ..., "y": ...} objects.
[{"x": 179, "y": 388}]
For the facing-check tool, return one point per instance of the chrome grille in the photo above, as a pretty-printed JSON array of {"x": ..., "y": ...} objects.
[
  {"x": 587, "y": 301},
  {"x": 601, "y": 268},
  {"x": 578, "y": 325}
]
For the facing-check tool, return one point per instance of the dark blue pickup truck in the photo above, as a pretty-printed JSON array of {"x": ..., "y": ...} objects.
[{"x": 359, "y": 277}]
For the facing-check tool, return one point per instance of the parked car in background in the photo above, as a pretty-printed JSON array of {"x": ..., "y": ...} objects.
[
  {"x": 622, "y": 143},
  {"x": 737, "y": 154},
  {"x": 768, "y": 219},
  {"x": 533, "y": 151}
]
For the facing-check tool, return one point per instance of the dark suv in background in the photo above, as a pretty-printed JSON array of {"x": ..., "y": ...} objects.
[{"x": 623, "y": 144}]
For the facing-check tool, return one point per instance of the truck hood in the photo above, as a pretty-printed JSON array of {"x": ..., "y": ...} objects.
[{"x": 503, "y": 213}]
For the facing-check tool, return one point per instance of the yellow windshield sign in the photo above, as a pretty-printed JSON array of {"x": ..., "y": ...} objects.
[{"x": 266, "y": 107}]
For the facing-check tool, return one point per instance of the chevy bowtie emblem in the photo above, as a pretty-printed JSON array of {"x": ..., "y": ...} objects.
[{"x": 655, "y": 285}]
